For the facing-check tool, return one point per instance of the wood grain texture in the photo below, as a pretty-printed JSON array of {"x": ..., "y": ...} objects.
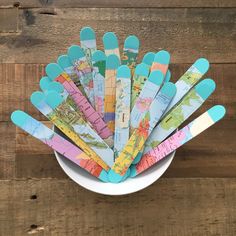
[
  {"x": 9, "y": 20},
  {"x": 46, "y": 33},
  {"x": 169, "y": 207},
  {"x": 117, "y": 4}
]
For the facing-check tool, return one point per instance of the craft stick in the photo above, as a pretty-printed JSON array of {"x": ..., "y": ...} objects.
[
  {"x": 112, "y": 63},
  {"x": 161, "y": 62},
  {"x": 38, "y": 99},
  {"x": 83, "y": 70},
  {"x": 148, "y": 59},
  {"x": 180, "y": 113},
  {"x": 168, "y": 76},
  {"x": 189, "y": 79},
  {"x": 64, "y": 62},
  {"x": 130, "y": 52},
  {"x": 88, "y": 43},
  {"x": 139, "y": 78},
  {"x": 122, "y": 112},
  {"x": 178, "y": 139},
  {"x": 58, "y": 143},
  {"x": 56, "y": 73},
  {"x": 44, "y": 82},
  {"x": 140, "y": 135},
  {"x": 99, "y": 67},
  {"x": 78, "y": 124},
  {"x": 145, "y": 98},
  {"x": 111, "y": 45}
]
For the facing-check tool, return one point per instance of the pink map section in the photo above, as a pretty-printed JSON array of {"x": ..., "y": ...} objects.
[
  {"x": 163, "y": 149},
  {"x": 83, "y": 104}
]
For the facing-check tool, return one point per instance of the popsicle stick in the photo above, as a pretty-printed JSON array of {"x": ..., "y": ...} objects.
[
  {"x": 180, "y": 113},
  {"x": 122, "y": 112},
  {"x": 168, "y": 76},
  {"x": 88, "y": 43},
  {"x": 83, "y": 70},
  {"x": 112, "y": 63},
  {"x": 56, "y": 73},
  {"x": 140, "y": 135},
  {"x": 38, "y": 99},
  {"x": 145, "y": 98},
  {"x": 189, "y": 79},
  {"x": 99, "y": 67},
  {"x": 111, "y": 45},
  {"x": 58, "y": 143},
  {"x": 178, "y": 139},
  {"x": 139, "y": 78},
  {"x": 161, "y": 62},
  {"x": 78, "y": 124},
  {"x": 64, "y": 62},
  {"x": 148, "y": 59},
  {"x": 130, "y": 52}
]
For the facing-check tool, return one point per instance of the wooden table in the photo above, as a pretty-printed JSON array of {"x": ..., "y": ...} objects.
[{"x": 197, "y": 194}]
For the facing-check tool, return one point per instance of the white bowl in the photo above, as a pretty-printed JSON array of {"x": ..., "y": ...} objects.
[{"x": 130, "y": 185}]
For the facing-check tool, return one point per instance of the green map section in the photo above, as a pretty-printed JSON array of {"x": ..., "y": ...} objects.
[
  {"x": 190, "y": 77},
  {"x": 101, "y": 65}
]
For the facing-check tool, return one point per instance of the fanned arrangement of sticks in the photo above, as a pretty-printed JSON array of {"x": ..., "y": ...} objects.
[{"x": 120, "y": 116}]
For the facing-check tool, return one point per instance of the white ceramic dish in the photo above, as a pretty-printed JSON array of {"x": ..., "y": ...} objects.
[{"x": 130, "y": 185}]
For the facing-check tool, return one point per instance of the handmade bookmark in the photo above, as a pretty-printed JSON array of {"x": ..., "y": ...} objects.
[
  {"x": 145, "y": 98},
  {"x": 139, "y": 78},
  {"x": 38, "y": 99},
  {"x": 99, "y": 67},
  {"x": 64, "y": 62},
  {"x": 58, "y": 143},
  {"x": 140, "y": 135},
  {"x": 83, "y": 70},
  {"x": 88, "y": 43},
  {"x": 122, "y": 112},
  {"x": 189, "y": 79},
  {"x": 111, "y": 45},
  {"x": 178, "y": 139},
  {"x": 168, "y": 76},
  {"x": 112, "y": 63},
  {"x": 180, "y": 113},
  {"x": 78, "y": 124},
  {"x": 161, "y": 62},
  {"x": 130, "y": 52},
  {"x": 148, "y": 59},
  {"x": 56, "y": 73}
]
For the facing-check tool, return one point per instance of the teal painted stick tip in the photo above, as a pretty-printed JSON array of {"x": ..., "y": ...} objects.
[
  {"x": 142, "y": 69},
  {"x": 75, "y": 52},
  {"x": 64, "y": 61},
  {"x": 133, "y": 171},
  {"x": 44, "y": 82},
  {"x": 162, "y": 57},
  {"x": 19, "y": 118},
  {"x": 87, "y": 33},
  {"x": 98, "y": 56},
  {"x": 205, "y": 88},
  {"x": 110, "y": 41},
  {"x": 123, "y": 72},
  {"x": 55, "y": 86},
  {"x": 132, "y": 42},
  {"x": 169, "y": 89},
  {"x": 112, "y": 62},
  {"x": 137, "y": 158},
  {"x": 53, "y": 70},
  {"x": 103, "y": 176},
  {"x": 217, "y": 112},
  {"x": 53, "y": 99},
  {"x": 148, "y": 58},
  {"x": 202, "y": 65},
  {"x": 168, "y": 76},
  {"x": 156, "y": 77},
  {"x": 37, "y": 97},
  {"x": 114, "y": 177}
]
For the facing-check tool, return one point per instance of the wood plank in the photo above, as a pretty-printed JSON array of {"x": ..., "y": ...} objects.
[
  {"x": 9, "y": 20},
  {"x": 187, "y": 32},
  {"x": 118, "y": 4},
  {"x": 168, "y": 207},
  {"x": 7, "y": 150},
  {"x": 18, "y": 81}
]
